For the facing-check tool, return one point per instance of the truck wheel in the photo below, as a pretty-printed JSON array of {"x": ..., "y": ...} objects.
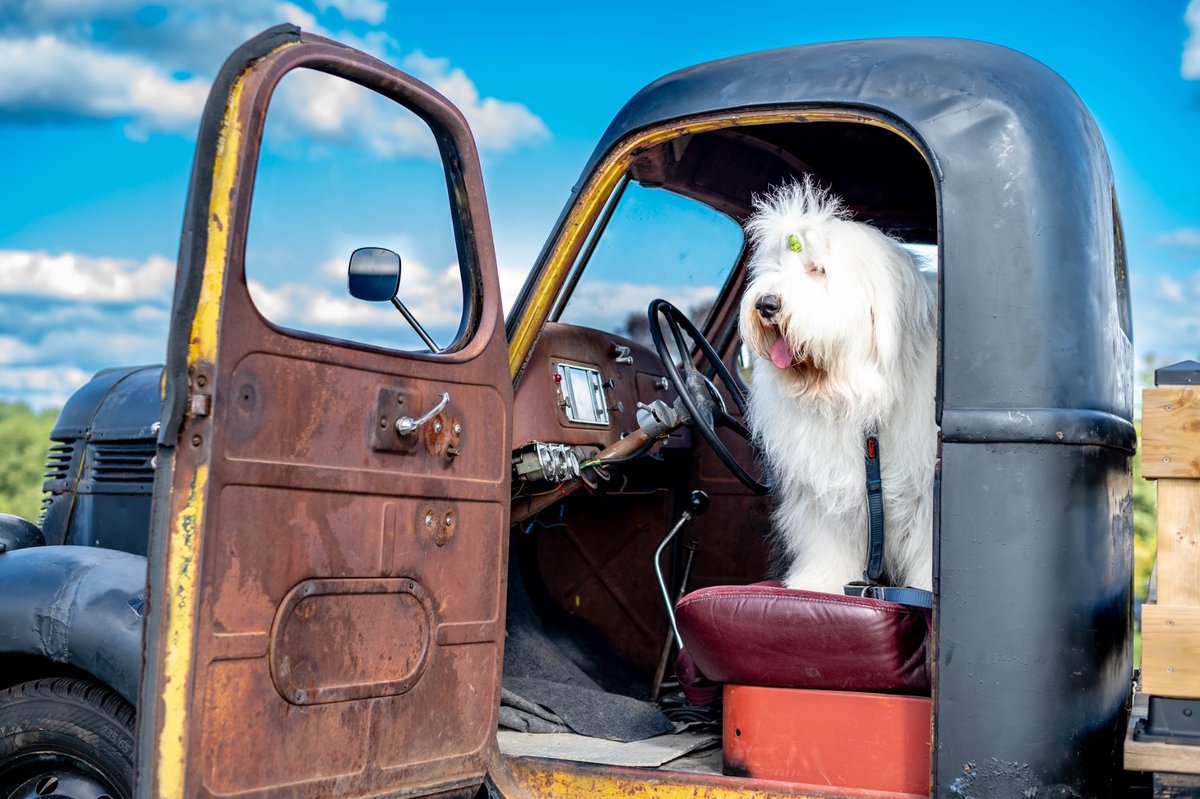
[{"x": 65, "y": 738}]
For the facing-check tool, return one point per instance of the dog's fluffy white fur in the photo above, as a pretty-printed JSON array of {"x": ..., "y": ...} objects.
[{"x": 858, "y": 351}]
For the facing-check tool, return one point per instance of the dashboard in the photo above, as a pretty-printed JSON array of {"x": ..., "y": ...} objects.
[{"x": 580, "y": 393}]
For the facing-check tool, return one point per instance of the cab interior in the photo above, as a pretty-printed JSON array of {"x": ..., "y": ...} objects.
[{"x": 583, "y": 598}]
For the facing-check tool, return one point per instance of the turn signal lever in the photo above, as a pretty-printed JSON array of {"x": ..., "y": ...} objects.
[{"x": 697, "y": 505}]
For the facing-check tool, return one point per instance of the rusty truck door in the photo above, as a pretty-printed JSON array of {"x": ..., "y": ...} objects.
[{"x": 326, "y": 594}]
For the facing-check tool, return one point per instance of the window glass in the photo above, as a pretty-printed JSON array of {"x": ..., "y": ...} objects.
[
  {"x": 657, "y": 244},
  {"x": 341, "y": 168}
]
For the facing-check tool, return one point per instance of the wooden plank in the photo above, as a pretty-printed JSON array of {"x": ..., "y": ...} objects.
[
  {"x": 1171, "y": 432},
  {"x": 1179, "y": 543},
  {"x": 1146, "y": 756},
  {"x": 1176, "y": 786},
  {"x": 1171, "y": 650}
]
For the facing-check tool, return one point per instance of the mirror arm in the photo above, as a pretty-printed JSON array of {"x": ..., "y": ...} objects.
[{"x": 412, "y": 320}]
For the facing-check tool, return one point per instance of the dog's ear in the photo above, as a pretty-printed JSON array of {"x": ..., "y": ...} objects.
[{"x": 885, "y": 333}]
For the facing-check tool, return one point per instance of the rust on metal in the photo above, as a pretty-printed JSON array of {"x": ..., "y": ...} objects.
[
  {"x": 331, "y": 648},
  {"x": 306, "y": 671}
]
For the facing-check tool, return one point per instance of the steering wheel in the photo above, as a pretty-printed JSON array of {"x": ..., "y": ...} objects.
[{"x": 701, "y": 399}]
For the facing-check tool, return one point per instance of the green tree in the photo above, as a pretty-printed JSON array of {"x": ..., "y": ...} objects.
[
  {"x": 1145, "y": 497},
  {"x": 1145, "y": 504},
  {"x": 24, "y": 439}
]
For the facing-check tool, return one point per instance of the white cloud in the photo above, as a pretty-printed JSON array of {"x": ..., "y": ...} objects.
[
  {"x": 497, "y": 125},
  {"x": 1170, "y": 289},
  {"x": 1187, "y": 238},
  {"x": 1190, "y": 68},
  {"x": 371, "y": 11},
  {"x": 511, "y": 282},
  {"x": 317, "y": 107},
  {"x": 42, "y": 378},
  {"x": 322, "y": 108},
  {"x": 41, "y": 386},
  {"x": 69, "y": 275},
  {"x": 603, "y": 304},
  {"x": 13, "y": 350},
  {"x": 64, "y": 317},
  {"x": 435, "y": 298},
  {"x": 173, "y": 35},
  {"x": 154, "y": 64},
  {"x": 1165, "y": 321},
  {"x": 149, "y": 313},
  {"x": 113, "y": 346},
  {"x": 290, "y": 12},
  {"x": 48, "y": 76}
]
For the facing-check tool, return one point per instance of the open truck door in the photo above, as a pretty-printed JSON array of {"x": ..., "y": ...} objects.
[{"x": 330, "y": 522}]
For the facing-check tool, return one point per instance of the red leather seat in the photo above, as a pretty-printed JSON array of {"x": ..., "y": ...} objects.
[{"x": 767, "y": 635}]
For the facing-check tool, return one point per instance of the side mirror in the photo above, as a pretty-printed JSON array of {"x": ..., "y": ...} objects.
[
  {"x": 374, "y": 274},
  {"x": 375, "y": 277}
]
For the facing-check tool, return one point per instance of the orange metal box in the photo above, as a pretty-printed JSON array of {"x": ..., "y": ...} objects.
[{"x": 876, "y": 742}]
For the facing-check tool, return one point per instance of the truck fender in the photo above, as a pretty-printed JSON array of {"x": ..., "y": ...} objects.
[
  {"x": 16, "y": 533},
  {"x": 81, "y": 606}
]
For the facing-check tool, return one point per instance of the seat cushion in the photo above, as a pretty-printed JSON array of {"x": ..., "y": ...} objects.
[{"x": 765, "y": 634}]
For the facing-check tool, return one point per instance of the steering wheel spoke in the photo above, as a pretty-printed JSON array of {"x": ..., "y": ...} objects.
[
  {"x": 723, "y": 419},
  {"x": 700, "y": 397},
  {"x": 682, "y": 350}
]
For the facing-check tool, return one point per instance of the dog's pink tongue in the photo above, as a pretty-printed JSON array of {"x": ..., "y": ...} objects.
[{"x": 781, "y": 355}]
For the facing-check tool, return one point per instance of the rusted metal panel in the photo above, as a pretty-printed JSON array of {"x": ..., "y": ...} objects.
[
  {"x": 339, "y": 604},
  {"x": 306, "y": 670},
  {"x": 625, "y": 385},
  {"x": 529, "y": 778}
]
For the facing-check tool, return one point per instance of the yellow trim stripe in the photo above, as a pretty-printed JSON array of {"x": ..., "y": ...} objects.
[
  {"x": 605, "y": 178},
  {"x": 183, "y": 549},
  {"x": 203, "y": 345},
  {"x": 527, "y": 778},
  {"x": 177, "y": 656}
]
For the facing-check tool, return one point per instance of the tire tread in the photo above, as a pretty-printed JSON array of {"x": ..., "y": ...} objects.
[{"x": 82, "y": 716}]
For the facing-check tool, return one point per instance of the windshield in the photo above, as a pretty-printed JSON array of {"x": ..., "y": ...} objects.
[{"x": 656, "y": 244}]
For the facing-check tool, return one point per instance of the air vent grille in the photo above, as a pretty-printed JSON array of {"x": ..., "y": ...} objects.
[
  {"x": 58, "y": 462},
  {"x": 58, "y": 471},
  {"x": 122, "y": 462}
]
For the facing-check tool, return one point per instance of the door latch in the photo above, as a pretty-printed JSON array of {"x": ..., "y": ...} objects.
[{"x": 406, "y": 425}]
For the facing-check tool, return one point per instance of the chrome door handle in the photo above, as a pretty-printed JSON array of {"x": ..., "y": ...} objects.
[{"x": 405, "y": 425}]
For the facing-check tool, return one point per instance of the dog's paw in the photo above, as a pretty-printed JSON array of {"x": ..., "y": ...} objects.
[{"x": 800, "y": 580}]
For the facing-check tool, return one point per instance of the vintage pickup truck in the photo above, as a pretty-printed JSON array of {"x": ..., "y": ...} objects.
[{"x": 338, "y": 532}]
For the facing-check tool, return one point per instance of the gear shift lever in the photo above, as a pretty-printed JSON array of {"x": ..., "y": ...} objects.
[{"x": 697, "y": 505}]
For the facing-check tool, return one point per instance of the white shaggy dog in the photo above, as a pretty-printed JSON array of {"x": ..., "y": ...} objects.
[{"x": 843, "y": 329}]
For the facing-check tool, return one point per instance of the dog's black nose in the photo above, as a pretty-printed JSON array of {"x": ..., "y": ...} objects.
[{"x": 768, "y": 306}]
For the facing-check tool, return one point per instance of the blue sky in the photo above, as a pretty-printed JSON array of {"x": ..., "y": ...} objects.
[{"x": 99, "y": 102}]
